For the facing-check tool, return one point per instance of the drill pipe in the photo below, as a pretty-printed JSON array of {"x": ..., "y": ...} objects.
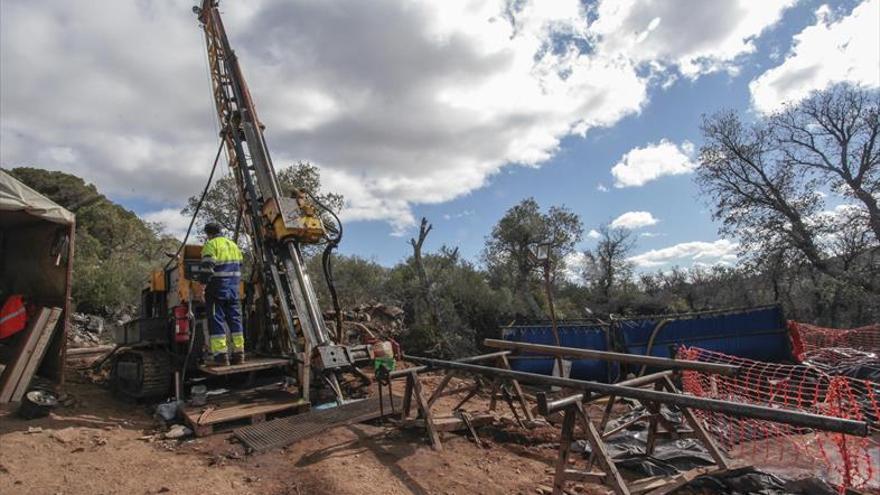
[
  {"x": 787, "y": 416},
  {"x": 470, "y": 359},
  {"x": 654, "y": 361}
]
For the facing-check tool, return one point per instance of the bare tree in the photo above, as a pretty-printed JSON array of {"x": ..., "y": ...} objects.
[
  {"x": 766, "y": 181},
  {"x": 608, "y": 265},
  {"x": 836, "y": 135},
  {"x": 421, "y": 273}
]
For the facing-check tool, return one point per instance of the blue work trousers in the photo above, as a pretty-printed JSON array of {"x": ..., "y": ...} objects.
[{"x": 224, "y": 314}]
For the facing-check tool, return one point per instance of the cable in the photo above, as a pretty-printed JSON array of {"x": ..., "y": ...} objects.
[
  {"x": 198, "y": 206},
  {"x": 327, "y": 265}
]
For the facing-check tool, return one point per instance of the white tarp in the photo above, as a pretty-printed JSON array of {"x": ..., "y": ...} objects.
[{"x": 15, "y": 196}]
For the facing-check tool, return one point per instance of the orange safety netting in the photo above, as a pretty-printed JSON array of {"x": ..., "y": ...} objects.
[
  {"x": 808, "y": 337},
  {"x": 845, "y": 460}
]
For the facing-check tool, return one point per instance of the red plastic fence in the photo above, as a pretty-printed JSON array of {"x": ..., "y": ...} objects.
[
  {"x": 812, "y": 337},
  {"x": 845, "y": 460}
]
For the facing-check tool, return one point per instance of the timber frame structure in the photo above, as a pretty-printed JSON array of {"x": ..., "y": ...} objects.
[
  {"x": 651, "y": 391},
  {"x": 658, "y": 427},
  {"x": 508, "y": 390}
]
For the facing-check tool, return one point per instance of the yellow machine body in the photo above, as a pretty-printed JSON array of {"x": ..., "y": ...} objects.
[{"x": 294, "y": 218}]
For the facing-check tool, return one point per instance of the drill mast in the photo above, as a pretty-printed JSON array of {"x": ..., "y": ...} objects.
[{"x": 277, "y": 225}]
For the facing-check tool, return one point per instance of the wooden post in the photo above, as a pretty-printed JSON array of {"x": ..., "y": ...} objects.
[
  {"x": 439, "y": 390},
  {"x": 407, "y": 397},
  {"x": 699, "y": 431},
  {"x": 519, "y": 393},
  {"x": 564, "y": 447},
  {"x": 425, "y": 412},
  {"x": 597, "y": 446}
]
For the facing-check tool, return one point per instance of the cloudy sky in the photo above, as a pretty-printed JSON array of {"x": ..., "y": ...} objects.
[{"x": 454, "y": 109}]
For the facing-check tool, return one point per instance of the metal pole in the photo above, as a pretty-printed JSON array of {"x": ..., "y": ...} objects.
[
  {"x": 470, "y": 359},
  {"x": 787, "y": 416},
  {"x": 546, "y": 407},
  {"x": 549, "y": 289},
  {"x": 654, "y": 361}
]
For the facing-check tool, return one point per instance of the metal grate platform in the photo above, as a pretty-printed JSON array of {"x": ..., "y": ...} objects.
[{"x": 285, "y": 431}]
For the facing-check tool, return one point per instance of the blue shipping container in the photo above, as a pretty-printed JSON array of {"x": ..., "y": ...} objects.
[
  {"x": 581, "y": 336},
  {"x": 758, "y": 334}
]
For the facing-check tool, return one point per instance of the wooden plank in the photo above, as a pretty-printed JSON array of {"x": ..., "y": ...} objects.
[
  {"x": 653, "y": 483},
  {"x": 433, "y": 435},
  {"x": 240, "y": 411},
  {"x": 601, "y": 454},
  {"x": 252, "y": 364},
  {"x": 519, "y": 393},
  {"x": 13, "y": 371},
  {"x": 699, "y": 431},
  {"x": 36, "y": 356},
  {"x": 682, "y": 479},
  {"x": 457, "y": 390},
  {"x": 451, "y": 423},
  {"x": 583, "y": 476},
  {"x": 407, "y": 396},
  {"x": 439, "y": 390},
  {"x": 564, "y": 447}
]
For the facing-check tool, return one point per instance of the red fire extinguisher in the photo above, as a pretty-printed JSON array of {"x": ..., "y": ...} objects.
[{"x": 181, "y": 324}]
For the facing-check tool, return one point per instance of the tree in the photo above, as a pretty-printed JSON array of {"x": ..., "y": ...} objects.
[
  {"x": 221, "y": 201},
  {"x": 766, "y": 179},
  {"x": 608, "y": 265},
  {"x": 508, "y": 246},
  {"x": 114, "y": 249}
]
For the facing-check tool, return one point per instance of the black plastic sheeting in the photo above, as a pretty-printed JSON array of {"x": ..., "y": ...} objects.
[
  {"x": 627, "y": 448},
  {"x": 749, "y": 481},
  {"x": 853, "y": 363}
]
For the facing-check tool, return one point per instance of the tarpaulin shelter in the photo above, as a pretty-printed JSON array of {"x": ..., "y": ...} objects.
[{"x": 36, "y": 260}]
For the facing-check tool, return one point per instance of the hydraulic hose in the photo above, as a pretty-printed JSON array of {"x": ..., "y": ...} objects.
[{"x": 327, "y": 266}]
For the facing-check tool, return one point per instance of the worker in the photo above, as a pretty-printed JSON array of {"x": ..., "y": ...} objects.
[{"x": 222, "y": 257}]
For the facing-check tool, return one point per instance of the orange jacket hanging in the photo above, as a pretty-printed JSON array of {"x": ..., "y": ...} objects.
[{"x": 13, "y": 316}]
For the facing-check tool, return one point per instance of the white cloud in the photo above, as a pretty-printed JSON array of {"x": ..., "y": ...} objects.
[
  {"x": 695, "y": 36},
  {"x": 639, "y": 166},
  {"x": 601, "y": 187},
  {"x": 412, "y": 105},
  {"x": 827, "y": 52},
  {"x": 172, "y": 222},
  {"x": 634, "y": 220},
  {"x": 594, "y": 234},
  {"x": 706, "y": 253},
  {"x": 461, "y": 214}
]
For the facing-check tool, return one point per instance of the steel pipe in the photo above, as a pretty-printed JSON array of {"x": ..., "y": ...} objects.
[
  {"x": 470, "y": 359},
  {"x": 657, "y": 362},
  {"x": 787, "y": 416},
  {"x": 545, "y": 407}
]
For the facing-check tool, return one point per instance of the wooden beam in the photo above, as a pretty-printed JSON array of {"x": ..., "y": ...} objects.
[
  {"x": 15, "y": 368},
  {"x": 36, "y": 357}
]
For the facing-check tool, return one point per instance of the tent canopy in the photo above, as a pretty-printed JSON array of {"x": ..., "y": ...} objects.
[{"x": 17, "y": 197}]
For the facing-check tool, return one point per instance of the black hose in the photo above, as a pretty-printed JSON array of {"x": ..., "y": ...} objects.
[
  {"x": 198, "y": 206},
  {"x": 327, "y": 265}
]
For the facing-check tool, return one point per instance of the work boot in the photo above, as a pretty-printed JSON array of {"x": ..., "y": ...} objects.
[
  {"x": 237, "y": 358},
  {"x": 218, "y": 361}
]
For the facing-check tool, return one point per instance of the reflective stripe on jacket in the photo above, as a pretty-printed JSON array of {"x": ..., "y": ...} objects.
[
  {"x": 224, "y": 258},
  {"x": 13, "y": 316},
  {"x": 221, "y": 250}
]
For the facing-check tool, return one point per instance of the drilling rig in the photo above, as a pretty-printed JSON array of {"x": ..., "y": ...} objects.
[{"x": 284, "y": 326}]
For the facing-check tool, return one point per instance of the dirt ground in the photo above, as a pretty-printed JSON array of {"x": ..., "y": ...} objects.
[{"x": 99, "y": 445}]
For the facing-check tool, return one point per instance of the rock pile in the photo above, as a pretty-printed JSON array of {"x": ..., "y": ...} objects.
[{"x": 374, "y": 321}]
